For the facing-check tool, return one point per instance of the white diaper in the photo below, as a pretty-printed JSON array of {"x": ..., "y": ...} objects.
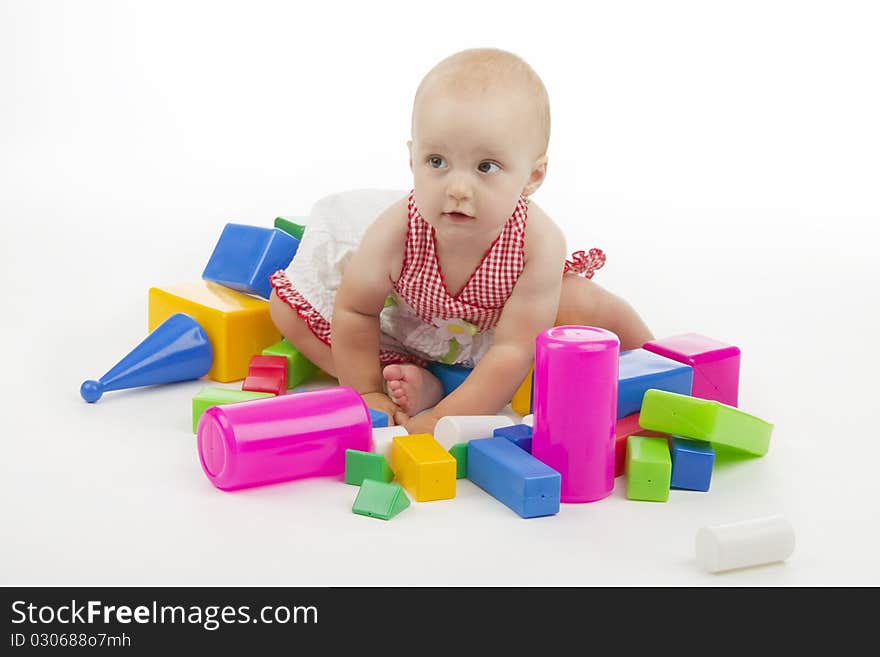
[{"x": 334, "y": 229}]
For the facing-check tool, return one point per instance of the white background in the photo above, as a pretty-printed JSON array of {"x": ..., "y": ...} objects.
[{"x": 725, "y": 156}]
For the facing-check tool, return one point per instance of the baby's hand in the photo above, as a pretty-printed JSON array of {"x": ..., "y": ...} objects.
[
  {"x": 422, "y": 423},
  {"x": 379, "y": 401}
]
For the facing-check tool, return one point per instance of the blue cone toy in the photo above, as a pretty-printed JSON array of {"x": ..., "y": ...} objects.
[{"x": 176, "y": 350}]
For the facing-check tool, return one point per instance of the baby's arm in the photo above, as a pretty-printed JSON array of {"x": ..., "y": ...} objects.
[
  {"x": 530, "y": 310},
  {"x": 366, "y": 283}
]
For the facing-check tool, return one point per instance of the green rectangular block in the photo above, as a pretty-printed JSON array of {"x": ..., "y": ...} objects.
[
  {"x": 378, "y": 499},
  {"x": 366, "y": 465},
  {"x": 208, "y": 397},
  {"x": 648, "y": 469},
  {"x": 299, "y": 368},
  {"x": 459, "y": 453},
  {"x": 290, "y": 227},
  {"x": 704, "y": 419}
]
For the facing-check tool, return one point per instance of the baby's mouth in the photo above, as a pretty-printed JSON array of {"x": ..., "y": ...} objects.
[{"x": 457, "y": 216}]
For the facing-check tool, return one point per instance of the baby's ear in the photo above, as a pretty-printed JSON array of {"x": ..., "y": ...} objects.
[
  {"x": 409, "y": 148},
  {"x": 539, "y": 172}
]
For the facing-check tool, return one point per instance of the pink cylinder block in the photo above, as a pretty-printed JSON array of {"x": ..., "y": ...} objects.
[
  {"x": 575, "y": 405},
  {"x": 275, "y": 439}
]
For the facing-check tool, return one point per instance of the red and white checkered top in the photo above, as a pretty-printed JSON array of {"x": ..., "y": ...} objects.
[
  {"x": 483, "y": 296},
  {"x": 421, "y": 286}
]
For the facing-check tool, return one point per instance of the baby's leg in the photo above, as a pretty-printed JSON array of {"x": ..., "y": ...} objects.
[
  {"x": 300, "y": 335},
  {"x": 412, "y": 388},
  {"x": 584, "y": 303}
]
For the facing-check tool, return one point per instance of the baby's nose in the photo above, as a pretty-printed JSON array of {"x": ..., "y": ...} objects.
[{"x": 459, "y": 187}]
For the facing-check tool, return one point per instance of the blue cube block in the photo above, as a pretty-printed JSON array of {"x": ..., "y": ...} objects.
[
  {"x": 514, "y": 477},
  {"x": 451, "y": 376},
  {"x": 378, "y": 418},
  {"x": 692, "y": 462},
  {"x": 245, "y": 257},
  {"x": 641, "y": 370},
  {"x": 519, "y": 434}
]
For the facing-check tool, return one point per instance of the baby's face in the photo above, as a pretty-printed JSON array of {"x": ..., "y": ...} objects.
[{"x": 472, "y": 156}]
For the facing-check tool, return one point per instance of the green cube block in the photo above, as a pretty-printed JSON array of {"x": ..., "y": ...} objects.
[
  {"x": 208, "y": 397},
  {"x": 459, "y": 453},
  {"x": 378, "y": 499},
  {"x": 648, "y": 469},
  {"x": 365, "y": 465},
  {"x": 290, "y": 227},
  {"x": 299, "y": 368},
  {"x": 703, "y": 419}
]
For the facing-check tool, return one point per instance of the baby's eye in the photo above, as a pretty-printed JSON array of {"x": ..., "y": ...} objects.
[
  {"x": 486, "y": 167},
  {"x": 437, "y": 162}
]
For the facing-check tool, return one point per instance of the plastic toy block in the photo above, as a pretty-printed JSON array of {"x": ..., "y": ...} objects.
[
  {"x": 640, "y": 370},
  {"x": 519, "y": 434},
  {"x": 382, "y": 437},
  {"x": 626, "y": 427},
  {"x": 299, "y": 368},
  {"x": 453, "y": 429},
  {"x": 290, "y": 227},
  {"x": 379, "y": 418},
  {"x": 747, "y": 543},
  {"x": 245, "y": 257},
  {"x": 451, "y": 376},
  {"x": 514, "y": 477},
  {"x": 522, "y": 398},
  {"x": 209, "y": 397},
  {"x": 423, "y": 467},
  {"x": 459, "y": 453},
  {"x": 379, "y": 499},
  {"x": 267, "y": 374},
  {"x": 706, "y": 420},
  {"x": 176, "y": 350},
  {"x": 692, "y": 462},
  {"x": 366, "y": 465},
  {"x": 648, "y": 469},
  {"x": 238, "y": 326},
  {"x": 715, "y": 364}
]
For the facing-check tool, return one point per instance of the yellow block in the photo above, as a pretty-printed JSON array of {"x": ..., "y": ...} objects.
[
  {"x": 522, "y": 398},
  {"x": 238, "y": 325},
  {"x": 423, "y": 467}
]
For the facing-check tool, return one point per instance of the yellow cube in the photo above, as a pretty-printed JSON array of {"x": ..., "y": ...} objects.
[
  {"x": 522, "y": 398},
  {"x": 423, "y": 467},
  {"x": 238, "y": 325}
]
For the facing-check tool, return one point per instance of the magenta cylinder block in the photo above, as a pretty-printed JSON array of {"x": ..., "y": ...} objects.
[
  {"x": 574, "y": 401},
  {"x": 275, "y": 439}
]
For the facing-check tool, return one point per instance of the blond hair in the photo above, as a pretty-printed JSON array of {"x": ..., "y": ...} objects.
[{"x": 478, "y": 70}]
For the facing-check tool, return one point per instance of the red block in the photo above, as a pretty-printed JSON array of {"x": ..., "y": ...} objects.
[
  {"x": 626, "y": 427},
  {"x": 267, "y": 374}
]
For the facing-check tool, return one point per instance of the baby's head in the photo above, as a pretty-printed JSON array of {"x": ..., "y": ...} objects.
[{"x": 480, "y": 129}]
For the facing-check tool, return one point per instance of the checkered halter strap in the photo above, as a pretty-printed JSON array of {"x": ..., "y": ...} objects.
[{"x": 483, "y": 296}]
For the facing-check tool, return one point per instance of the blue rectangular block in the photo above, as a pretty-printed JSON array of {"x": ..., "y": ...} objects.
[
  {"x": 514, "y": 477},
  {"x": 378, "y": 418},
  {"x": 641, "y": 370},
  {"x": 692, "y": 462},
  {"x": 451, "y": 376},
  {"x": 245, "y": 257},
  {"x": 519, "y": 434}
]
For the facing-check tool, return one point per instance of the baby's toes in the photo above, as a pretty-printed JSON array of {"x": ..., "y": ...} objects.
[{"x": 392, "y": 373}]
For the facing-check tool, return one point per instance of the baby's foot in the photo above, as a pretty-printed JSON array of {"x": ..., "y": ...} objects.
[{"x": 412, "y": 388}]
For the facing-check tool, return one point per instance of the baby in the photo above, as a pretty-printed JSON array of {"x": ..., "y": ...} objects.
[{"x": 464, "y": 269}]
